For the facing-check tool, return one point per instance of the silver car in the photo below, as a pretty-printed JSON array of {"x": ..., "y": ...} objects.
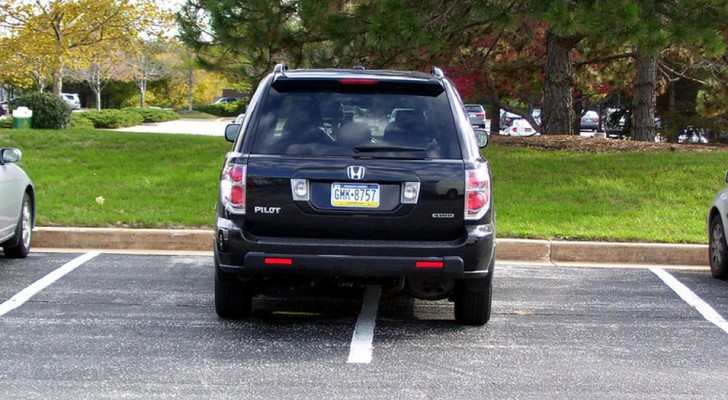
[
  {"x": 717, "y": 247},
  {"x": 17, "y": 205}
]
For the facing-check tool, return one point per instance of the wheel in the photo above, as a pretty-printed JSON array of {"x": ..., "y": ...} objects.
[
  {"x": 717, "y": 249},
  {"x": 473, "y": 300},
  {"x": 23, "y": 231},
  {"x": 233, "y": 299}
]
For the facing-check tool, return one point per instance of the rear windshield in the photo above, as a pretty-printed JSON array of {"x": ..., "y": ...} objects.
[
  {"x": 372, "y": 120},
  {"x": 474, "y": 109}
]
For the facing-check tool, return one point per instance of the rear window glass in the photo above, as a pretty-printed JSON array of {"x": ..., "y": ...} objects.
[
  {"x": 474, "y": 109},
  {"x": 365, "y": 120}
]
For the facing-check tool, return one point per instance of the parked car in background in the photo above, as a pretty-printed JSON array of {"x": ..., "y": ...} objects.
[
  {"x": 72, "y": 100},
  {"x": 693, "y": 135},
  {"x": 507, "y": 117},
  {"x": 6, "y": 105},
  {"x": 519, "y": 127},
  {"x": 717, "y": 247},
  {"x": 476, "y": 112},
  {"x": 224, "y": 100},
  {"x": 589, "y": 121},
  {"x": 17, "y": 205}
]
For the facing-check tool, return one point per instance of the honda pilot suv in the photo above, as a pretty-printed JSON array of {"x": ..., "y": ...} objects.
[{"x": 324, "y": 187}]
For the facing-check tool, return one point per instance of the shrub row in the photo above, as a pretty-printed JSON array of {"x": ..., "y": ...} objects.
[
  {"x": 223, "y": 109},
  {"x": 155, "y": 115},
  {"x": 6, "y": 123},
  {"x": 112, "y": 119}
]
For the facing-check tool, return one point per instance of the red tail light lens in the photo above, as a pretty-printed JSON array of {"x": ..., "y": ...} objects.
[
  {"x": 477, "y": 192},
  {"x": 232, "y": 188}
]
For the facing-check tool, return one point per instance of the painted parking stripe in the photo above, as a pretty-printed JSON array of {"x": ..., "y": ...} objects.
[
  {"x": 692, "y": 299},
  {"x": 24, "y": 295},
  {"x": 360, "y": 351}
]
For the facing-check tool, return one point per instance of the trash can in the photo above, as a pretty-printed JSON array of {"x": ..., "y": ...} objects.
[{"x": 22, "y": 118}]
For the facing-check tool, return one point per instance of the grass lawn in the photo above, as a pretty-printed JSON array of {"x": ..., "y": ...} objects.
[
  {"x": 170, "y": 181},
  {"x": 145, "y": 180}
]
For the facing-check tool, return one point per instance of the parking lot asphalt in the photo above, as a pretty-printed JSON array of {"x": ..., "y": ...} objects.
[{"x": 94, "y": 325}]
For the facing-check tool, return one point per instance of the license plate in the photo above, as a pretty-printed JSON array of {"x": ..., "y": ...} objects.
[
  {"x": 528, "y": 129},
  {"x": 355, "y": 195}
]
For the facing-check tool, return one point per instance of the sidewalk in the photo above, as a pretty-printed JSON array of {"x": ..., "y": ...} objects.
[
  {"x": 517, "y": 250},
  {"x": 211, "y": 127}
]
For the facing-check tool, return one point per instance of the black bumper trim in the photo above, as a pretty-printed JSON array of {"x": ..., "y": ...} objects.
[{"x": 348, "y": 266}]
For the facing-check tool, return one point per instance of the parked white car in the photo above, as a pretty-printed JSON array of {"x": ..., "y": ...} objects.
[
  {"x": 519, "y": 127},
  {"x": 72, "y": 100},
  {"x": 17, "y": 205},
  {"x": 717, "y": 247}
]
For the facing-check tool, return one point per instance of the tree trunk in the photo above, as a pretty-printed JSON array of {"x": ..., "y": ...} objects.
[
  {"x": 558, "y": 111},
  {"x": 98, "y": 99},
  {"x": 57, "y": 83},
  {"x": 643, "y": 103}
]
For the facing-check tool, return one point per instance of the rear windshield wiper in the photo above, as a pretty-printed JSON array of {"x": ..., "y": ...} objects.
[{"x": 379, "y": 147}]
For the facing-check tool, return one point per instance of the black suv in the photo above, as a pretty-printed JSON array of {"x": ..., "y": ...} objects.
[{"x": 326, "y": 184}]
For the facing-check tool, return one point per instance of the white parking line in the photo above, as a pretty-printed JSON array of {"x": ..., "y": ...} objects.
[
  {"x": 360, "y": 351},
  {"x": 692, "y": 299},
  {"x": 24, "y": 295}
]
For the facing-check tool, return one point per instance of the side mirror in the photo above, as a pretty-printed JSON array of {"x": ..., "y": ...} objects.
[
  {"x": 231, "y": 132},
  {"x": 10, "y": 156},
  {"x": 482, "y": 137}
]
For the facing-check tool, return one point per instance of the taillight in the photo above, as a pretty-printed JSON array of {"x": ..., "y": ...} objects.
[
  {"x": 358, "y": 81},
  {"x": 480, "y": 115},
  {"x": 477, "y": 193},
  {"x": 232, "y": 187}
]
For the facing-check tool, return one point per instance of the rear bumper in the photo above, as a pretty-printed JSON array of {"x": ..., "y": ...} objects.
[{"x": 469, "y": 257}]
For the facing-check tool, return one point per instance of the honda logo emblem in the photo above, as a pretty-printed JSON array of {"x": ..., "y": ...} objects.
[{"x": 355, "y": 172}]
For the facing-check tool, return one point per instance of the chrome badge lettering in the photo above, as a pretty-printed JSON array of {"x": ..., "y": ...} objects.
[
  {"x": 443, "y": 215},
  {"x": 267, "y": 210}
]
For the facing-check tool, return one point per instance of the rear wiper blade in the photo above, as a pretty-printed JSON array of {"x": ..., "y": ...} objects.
[{"x": 378, "y": 147}]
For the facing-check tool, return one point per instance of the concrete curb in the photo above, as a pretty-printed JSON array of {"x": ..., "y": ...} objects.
[{"x": 552, "y": 251}]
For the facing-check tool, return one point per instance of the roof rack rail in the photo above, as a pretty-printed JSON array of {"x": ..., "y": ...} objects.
[
  {"x": 437, "y": 72},
  {"x": 280, "y": 68},
  {"x": 358, "y": 68}
]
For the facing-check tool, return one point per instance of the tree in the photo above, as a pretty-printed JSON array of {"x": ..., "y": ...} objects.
[
  {"x": 687, "y": 24},
  {"x": 64, "y": 31},
  {"x": 145, "y": 65}
]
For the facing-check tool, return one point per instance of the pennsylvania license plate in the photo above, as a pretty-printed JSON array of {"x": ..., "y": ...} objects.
[{"x": 355, "y": 195}]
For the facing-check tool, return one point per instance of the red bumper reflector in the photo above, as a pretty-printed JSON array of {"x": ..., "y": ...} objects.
[
  {"x": 279, "y": 261},
  {"x": 429, "y": 264}
]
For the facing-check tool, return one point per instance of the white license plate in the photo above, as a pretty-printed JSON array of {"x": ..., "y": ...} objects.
[{"x": 364, "y": 195}]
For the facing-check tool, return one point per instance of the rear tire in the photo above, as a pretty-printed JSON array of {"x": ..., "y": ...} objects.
[
  {"x": 23, "y": 231},
  {"x": 718, "y": 249},
  {"x": 473, "y": 301},
  {"x": 233, "y": 299}
]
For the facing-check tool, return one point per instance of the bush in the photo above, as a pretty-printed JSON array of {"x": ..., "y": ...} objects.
[
  {"x": 79, "y": 121},
  {"x": 49, "y": 111},
  {"x": 223, "y": 109},
  {"x": 6, "y": 123},
  {"x": 154, "y": 115},
  {"x": 112, "y": 119}
]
